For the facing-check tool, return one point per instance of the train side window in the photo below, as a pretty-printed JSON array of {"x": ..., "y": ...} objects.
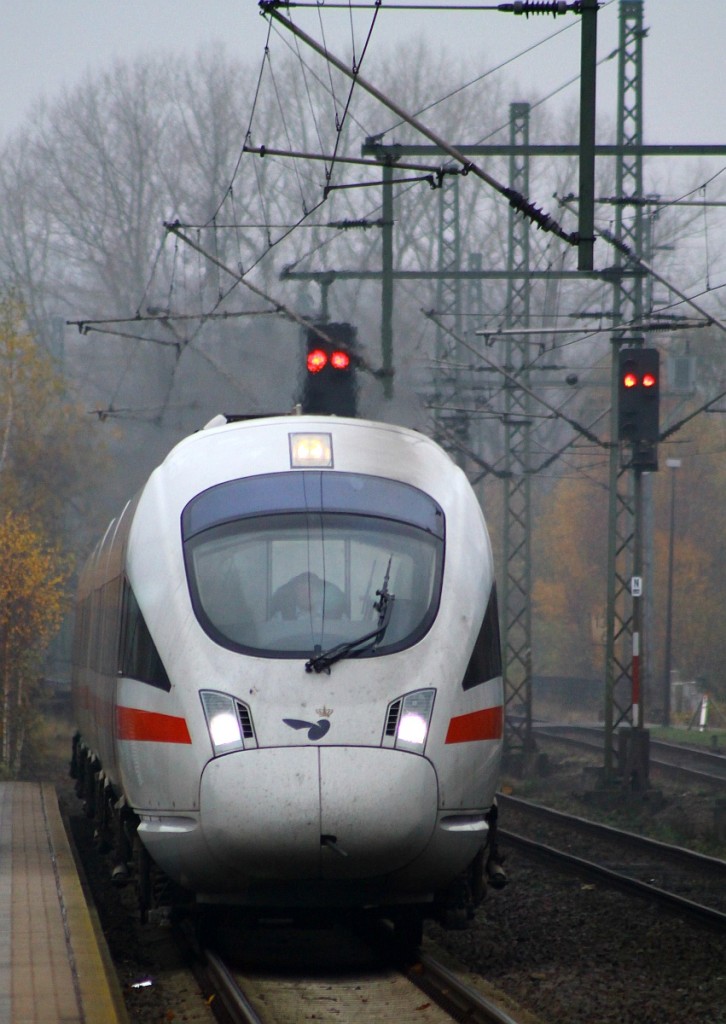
[
  {"x": 139, "y": 658},
  {"x": 486, "y": 658},
  {"x": 111, "y": 602},
  {"x": 81, "y": 646}
]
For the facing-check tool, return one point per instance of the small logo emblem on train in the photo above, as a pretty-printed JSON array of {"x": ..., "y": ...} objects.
[{"x": 316, "y": 730}]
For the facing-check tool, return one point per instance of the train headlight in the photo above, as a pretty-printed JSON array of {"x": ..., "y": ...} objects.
[
  {"x": 413, "y": 720},
  {"x": 308, "y": 451},
  {"x": 228, "y": 722}
]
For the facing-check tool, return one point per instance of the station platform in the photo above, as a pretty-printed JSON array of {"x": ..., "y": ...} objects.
[{"x": 54, "y": 964}]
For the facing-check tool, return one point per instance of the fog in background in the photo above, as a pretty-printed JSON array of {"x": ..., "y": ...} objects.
[{"x": 119, "y": 117}]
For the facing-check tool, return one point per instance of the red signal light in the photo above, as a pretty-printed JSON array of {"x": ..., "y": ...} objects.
[
  {"x": 638, "y": 404},
  {"x": 316, "y": 360},
  {"x": 339, "y": 360}
]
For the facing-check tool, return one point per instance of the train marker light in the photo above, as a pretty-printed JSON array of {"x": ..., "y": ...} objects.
[{"x": 310, "y": 451}]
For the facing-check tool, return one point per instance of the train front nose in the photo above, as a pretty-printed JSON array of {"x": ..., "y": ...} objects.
[{"x": 318, "y": 812}]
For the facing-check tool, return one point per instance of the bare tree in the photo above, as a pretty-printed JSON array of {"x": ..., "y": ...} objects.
[{"x": 86, "y": 187}]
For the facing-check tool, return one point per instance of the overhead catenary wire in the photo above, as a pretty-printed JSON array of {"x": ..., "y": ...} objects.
[
  {"x": 248, "y": 136},
  {"x": 525, "y": 7},
  {"x": 664, "y": 435},
  {"x": 328, "y": 88},
  {"x": 637, "y": 261},
  {"x": 239, "y": 278},
  {"x": 680, "y": 200},
  {"x": 266, "y": 151},
  {"x": 283, "y": 121},
  {"x": 448, "y": 169},
  {"x": 356, "y": 66},
  {"x": 514, "y": 379},
  {"x": 291, "y": 227},
  {"x": 519, "y": 202},
  {"x": 491, "y": 71},
  {"x": 84, "y": 326},
  {"x": 249, "y": 125}
]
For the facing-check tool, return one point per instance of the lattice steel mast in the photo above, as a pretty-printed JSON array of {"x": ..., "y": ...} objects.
[
  {"x": 627, "y": 307},
  {"x": 516, "y": 610}
]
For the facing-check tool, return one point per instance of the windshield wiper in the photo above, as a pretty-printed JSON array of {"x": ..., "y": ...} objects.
[{"x": 352, "y": 648}]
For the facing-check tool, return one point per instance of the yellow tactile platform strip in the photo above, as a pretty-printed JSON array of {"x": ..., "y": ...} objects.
[{"x": 52, "y": 968}]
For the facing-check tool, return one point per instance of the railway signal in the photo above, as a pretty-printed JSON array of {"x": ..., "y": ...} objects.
[
  {"x": 638, "y": 404},
  {"x": 330, "y": 386}
]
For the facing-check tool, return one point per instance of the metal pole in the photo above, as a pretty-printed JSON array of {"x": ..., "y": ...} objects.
[
  {"x": 673, "y": 465},
  {"x": 637, "y": 591},
  {"x": 516, "y": 607},
  {"x": 612, "y": 590},
  {"x": 627, "y": 307},
  {"x": 387, "y": 281},
  {"x": 588, "y": 80},
  {"x": 635, "y": 748}
]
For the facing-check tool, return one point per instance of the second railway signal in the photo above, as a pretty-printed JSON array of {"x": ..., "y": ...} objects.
[{"x": 638, "y": 403}]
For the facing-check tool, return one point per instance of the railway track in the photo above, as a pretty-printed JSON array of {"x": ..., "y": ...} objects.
[
  {"x": 690, "y": 883},
  {"x": 671, "y": 759},
  {"x": 341, "y": 979}
]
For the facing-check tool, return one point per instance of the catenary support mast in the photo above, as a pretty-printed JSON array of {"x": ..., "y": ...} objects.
[
  {"x": 627, "y": 307},
  {"x": 516, "y": 611}
]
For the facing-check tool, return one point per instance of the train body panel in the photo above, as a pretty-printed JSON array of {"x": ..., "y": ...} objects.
[{"x": 255, "y": 757}]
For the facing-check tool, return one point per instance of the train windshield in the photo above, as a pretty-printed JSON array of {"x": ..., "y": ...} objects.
[{"x": 289, "y": 565}]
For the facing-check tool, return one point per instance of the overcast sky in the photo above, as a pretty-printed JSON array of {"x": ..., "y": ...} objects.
[{"x": 46, "y": 45}]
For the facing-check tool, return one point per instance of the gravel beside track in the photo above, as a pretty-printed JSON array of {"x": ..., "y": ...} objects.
[{"x": 575, "y": 953}]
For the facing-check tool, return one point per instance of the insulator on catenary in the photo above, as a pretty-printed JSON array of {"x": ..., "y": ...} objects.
[{"x": 527, "y": 7}]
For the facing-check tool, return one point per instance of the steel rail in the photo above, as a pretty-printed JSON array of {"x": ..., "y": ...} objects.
[
  {"x": 589, "y": 869},
  {"x": 679, "y": 854},
  {"x": 456, "y": 997},
  {"x": 231, "y": 995},
  {"x": 461, "y": 1001},
  {"x": 667, "y": 767}
]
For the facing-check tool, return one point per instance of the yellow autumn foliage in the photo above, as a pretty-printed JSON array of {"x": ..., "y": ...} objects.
[
  {"x": 46, "y": 447},
  {"x": 569, "y": 585},
  {"x": 570, "y": 568},
  {"x": 41, "y": 459},
  {"x": 34, "y": 579}
]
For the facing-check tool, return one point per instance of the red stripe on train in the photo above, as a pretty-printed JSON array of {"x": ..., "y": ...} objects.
[
  {"x": 479, "y": 725},
  {"x": 150, "y": 726}
]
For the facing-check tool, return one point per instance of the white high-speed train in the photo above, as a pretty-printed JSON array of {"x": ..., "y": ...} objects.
[{"x": 287, "y": 674}]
